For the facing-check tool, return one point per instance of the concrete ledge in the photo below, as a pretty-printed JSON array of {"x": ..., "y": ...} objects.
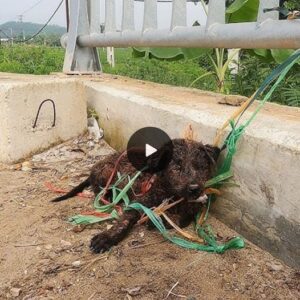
[
  {"x": 265, "y": 208},
  {"x": 20, "y": 97}
]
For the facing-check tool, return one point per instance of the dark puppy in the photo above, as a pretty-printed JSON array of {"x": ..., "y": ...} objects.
[{"x": 184, "y": 177}]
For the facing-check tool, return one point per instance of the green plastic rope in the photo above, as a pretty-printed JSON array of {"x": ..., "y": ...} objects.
[
  {"x": 213, "y": 246},
  {"x": 230, "y": 142},
  {"x": 118, "y": 195}
]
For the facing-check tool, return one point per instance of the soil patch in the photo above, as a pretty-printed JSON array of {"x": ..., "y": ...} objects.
[{"x": 43, "y": 257}]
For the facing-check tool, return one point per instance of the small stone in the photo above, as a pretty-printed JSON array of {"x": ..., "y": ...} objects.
[
  {"x": 48, "y": 247},
  {"x": 38, "y": 248},
  {"x": 275, "y": 267},
  {"x": 133, "y": 291},
  {"x": 91, "y": 144},
  {"x": 142, "y": 234},
  {"x": 65, "y": 243},
  {"x": 17, "y": 167},
  {"x": 15, "y": 292},
  {"x": 26, "y": 166},
  {"x": 109, "y": 226},
  {"x": 76, "y": 264}
]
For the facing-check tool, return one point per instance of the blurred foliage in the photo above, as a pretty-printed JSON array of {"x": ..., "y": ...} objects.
[
  {"x": 252, "y": 71},
  {"x": 179, "y": 73},
  {"x": 292, "y": 4},
  {"x": 31, "y": 59}
]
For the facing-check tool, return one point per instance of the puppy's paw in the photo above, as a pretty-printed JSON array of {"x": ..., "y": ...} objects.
[{"x": 101, "y": 243}]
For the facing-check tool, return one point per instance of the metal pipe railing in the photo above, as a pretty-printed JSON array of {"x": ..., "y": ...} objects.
[
  {"x": 217, "y": 36},
  {"x": 84, "y": 34}
]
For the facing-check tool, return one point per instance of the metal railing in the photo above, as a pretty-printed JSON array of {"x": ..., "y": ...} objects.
[{"x": 84, "y": 30}]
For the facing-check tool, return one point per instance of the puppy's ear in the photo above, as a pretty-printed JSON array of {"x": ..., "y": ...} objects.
[
  {"x": 160, "y": 159},
  {"x": 212, "y": 152}
]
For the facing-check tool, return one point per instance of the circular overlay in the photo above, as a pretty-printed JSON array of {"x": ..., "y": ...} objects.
[{"x": 150, "y": 149}]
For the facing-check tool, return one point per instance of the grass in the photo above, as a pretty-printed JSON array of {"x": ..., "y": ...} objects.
[
  {"x": 33, "y": 59},
  {"x": 178, "y": 73}
]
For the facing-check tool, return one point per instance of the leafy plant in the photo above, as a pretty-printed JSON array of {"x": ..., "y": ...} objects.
[
  {"x": 219, "y": 65},
  {"x": 292, "y": 4},
  {"x": 220, "y": 68},
  {"x": 292, "y": 96},
  {"x": 252, "y": 71}
]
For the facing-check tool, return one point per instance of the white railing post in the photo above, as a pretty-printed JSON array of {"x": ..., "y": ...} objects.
[
  {"x": 262, "y": 16},
  {"x": 110, "y": 16},
  {"x": 94, "y": 15},
  {"x": 216, "y": 12},
  {"x": 110, "y": 26},
  {"x": 128, "y": 15},
  {"x": 178, "y": 13},
  {"x": 79, "y": 59},
  {"x": 150, "y": 14}
]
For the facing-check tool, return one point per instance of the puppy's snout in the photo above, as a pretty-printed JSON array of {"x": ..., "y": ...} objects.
[{"x": 193, "y": 187}]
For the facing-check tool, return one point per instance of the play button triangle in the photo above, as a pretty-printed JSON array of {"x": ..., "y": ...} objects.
[
  {"x": 149, "y": 150},
  {"x": 143, "y": 148}
]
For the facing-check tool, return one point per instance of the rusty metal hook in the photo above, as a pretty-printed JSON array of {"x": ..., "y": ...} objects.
[{"x": 38, "y": 112}]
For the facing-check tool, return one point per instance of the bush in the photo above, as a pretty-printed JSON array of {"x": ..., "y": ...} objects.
[{"x": 253, "y": 71}]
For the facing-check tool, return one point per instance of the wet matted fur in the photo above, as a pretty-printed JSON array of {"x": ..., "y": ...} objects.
[{"x": 191, "y": 166}]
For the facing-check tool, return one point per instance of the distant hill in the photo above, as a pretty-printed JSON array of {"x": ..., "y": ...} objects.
[{"x": 29, "y": 29}]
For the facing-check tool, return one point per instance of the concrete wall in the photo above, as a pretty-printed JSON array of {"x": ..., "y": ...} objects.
[
  {"x": 265, "y": 207},
  {"x": 19, "y": 101}
]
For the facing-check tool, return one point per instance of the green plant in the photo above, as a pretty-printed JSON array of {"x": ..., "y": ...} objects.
[
  {"x": 292, "y": 4},
  {"x": 220, "y": 68},
  {"x": 31, "y": 59},
  {"x": 253, "y": 70},
  {"x": 292, "y": 96}
]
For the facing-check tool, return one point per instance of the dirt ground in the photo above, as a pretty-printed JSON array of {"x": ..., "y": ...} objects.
[{"x": 43, "y": 257}]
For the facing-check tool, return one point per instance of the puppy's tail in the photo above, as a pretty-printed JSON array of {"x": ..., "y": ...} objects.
[{"x": 79, "y": 188}]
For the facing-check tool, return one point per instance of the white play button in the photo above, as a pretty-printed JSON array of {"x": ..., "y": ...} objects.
[
  {"x": 145, "y": 148},
  {"x": 149, "y": 150}
]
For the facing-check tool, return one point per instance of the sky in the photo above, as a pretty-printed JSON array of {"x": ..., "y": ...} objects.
[{"x": 10, "y": 9}]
